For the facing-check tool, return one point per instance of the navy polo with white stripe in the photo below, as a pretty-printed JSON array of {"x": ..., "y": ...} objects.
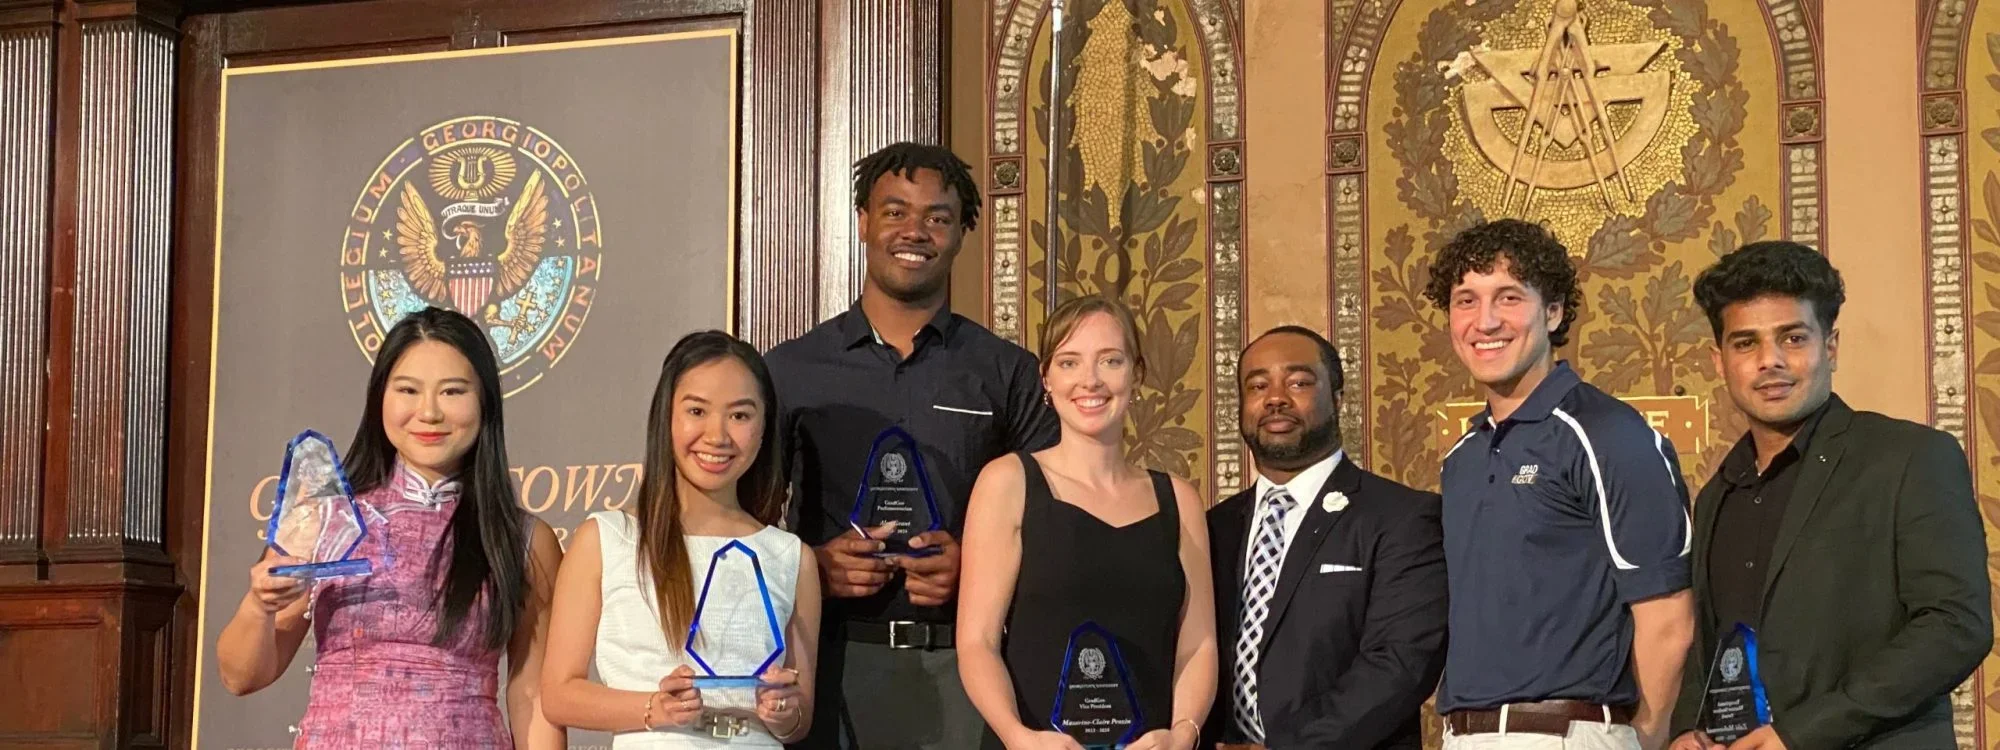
[{"x": 1556, "y": 520}]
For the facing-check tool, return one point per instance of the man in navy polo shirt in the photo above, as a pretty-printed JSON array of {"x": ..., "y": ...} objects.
[{"x": 1565, "y": 522}]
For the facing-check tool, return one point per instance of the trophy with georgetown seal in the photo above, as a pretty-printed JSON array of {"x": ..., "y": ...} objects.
[
  {"x": 895, "y": 488},
  {"x": 1096, "y": 703},
  {"x": 1733, "y": 702}
]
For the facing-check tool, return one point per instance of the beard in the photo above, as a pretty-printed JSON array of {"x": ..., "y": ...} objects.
[
  {"x": 1315, "y": 440},
  {"x": 917, "y": 290}
]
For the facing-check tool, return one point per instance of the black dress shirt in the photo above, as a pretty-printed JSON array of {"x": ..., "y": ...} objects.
[
  {"x": 1746, "y": 525},
  {"x": 966, "y": 396}
]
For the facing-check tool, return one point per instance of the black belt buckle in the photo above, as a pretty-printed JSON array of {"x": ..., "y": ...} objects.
[{"x": 902, "y": 632}]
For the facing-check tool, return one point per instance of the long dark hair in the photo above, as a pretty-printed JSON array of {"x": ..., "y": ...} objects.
[
  {"x": 488, "y": 533},
  {"x": 663, "y": 548}
]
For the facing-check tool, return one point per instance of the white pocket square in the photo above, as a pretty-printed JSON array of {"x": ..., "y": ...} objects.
[{"x": 1332, "y": 568}]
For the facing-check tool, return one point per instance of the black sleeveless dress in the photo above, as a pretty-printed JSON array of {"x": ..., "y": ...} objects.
[{"x": 1076, "y": 568}]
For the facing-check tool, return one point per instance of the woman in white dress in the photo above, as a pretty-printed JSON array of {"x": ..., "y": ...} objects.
[{"x": 638, "y": 588}]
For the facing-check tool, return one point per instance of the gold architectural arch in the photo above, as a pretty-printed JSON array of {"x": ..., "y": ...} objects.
[
  {"x": 1152, "y": 201},
  {"x": 1960, "y": 99}
]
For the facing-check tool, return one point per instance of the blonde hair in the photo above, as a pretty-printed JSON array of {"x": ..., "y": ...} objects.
[{"x": 1067, "y": 315}]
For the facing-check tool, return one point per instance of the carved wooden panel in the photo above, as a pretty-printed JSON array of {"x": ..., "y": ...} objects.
[
  {"x": 26, "y": 100},
  {"x": 106, "y": 653}
]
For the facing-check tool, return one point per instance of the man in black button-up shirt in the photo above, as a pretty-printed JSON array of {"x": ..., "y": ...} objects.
[
  {"x": 1848, "y": 541},
  {"x": 887, "y": 674},
  {"x": 1746, "y": 524}
]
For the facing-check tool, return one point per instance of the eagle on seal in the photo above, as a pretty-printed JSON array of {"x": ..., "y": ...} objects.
[{"x": 470, "y": 274}]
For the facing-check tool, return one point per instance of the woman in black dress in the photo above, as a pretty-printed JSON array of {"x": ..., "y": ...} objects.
[{"x": 1076, "y": 534}]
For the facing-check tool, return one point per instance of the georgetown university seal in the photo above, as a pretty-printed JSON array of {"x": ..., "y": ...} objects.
[{"x": 482, "y": 215}]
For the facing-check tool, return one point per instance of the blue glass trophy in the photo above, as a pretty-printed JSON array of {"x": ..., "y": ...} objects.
[
  {"x": 896, "y": 488},
  {"x": 1734, "y": 703},
  {"x": 1095, "y": 701},
  {"x": 316, "y": 517},
  {"x": 739, "y": 634}
]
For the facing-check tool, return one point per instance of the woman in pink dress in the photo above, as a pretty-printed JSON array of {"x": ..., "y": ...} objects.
[{"x": 409, "y": 657}]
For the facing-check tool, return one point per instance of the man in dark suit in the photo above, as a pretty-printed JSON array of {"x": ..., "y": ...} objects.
[
  {"x": 1330, "y": 581},
  {"x": 1847, "y": 542}
]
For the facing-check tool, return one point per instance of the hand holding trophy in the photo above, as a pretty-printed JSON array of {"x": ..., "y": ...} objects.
[
  {"x": 316, "y": 518},
  {"x": 895, "y": 488}
]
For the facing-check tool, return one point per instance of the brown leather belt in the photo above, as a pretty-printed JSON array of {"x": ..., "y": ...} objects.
[{"x": 1545, "y": 717}]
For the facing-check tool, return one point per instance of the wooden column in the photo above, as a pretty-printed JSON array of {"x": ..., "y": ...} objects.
[
  {"x": 117, "y": 290},
  {"x": 87, "y": 594},
  {"x": 27, "y": 76},
  {"x": 883, "y": 76}
]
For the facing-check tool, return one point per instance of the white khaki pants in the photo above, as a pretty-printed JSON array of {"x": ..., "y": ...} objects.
[{"x": 1583, "y": 735}]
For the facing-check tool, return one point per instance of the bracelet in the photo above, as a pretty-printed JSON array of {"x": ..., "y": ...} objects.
[
  {"x": 646, "y": 720},
  {"x": 1190, "y": 723}
]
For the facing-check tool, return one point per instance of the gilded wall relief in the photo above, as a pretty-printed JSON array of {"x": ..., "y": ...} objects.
[
  {"x": 1960, "y": 125},
  {"x": 1152, "y": 169},
  {"x": 1644, "y": 133}
]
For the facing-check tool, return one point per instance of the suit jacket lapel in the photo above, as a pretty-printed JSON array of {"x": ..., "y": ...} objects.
[
  {"x": 1817, "y": 465},
  {"x": 1704, "y": 535},
  {"x": 1304, "y": 547}
]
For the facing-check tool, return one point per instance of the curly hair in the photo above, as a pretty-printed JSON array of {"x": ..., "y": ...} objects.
[
  {"x": 1533, "y": 255},
  {"x": 905, "y": 159},
  {"x": 1772, "y": 267}
]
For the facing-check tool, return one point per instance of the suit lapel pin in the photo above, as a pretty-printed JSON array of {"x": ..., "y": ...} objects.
[{"x": 1334, "y": 502}]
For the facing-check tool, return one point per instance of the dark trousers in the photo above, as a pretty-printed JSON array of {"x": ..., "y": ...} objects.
[{"x": 872, "y": 697}]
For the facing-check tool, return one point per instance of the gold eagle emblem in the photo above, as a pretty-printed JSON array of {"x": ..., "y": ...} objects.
[{"x": 468, "y": 276}]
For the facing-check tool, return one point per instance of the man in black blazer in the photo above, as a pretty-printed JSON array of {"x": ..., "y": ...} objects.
[
  {"x": 1847, "y": 542},
  {"x": 1330, "y": 581}
]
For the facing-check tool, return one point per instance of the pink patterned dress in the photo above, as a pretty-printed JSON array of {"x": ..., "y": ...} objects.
[{"x": 378, "y": 682}]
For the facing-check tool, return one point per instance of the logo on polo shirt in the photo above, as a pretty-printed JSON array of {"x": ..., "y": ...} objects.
[{"x": 1527, "y": 474}]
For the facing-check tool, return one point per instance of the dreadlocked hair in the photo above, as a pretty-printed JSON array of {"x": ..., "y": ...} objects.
[{"x": 905, "y": 159}]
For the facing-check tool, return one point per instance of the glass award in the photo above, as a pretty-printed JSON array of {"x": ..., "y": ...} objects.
[
  {"x": 316, "y": 517},
  {"x": 1096, "y": 704},
  {"x": 1733, "y": 701},
  {"x": 736, "y": 633},
  {"x": 896, "y": 488}
]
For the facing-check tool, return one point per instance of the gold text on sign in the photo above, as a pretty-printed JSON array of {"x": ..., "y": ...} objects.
[{"x": 1682, "y": 419}]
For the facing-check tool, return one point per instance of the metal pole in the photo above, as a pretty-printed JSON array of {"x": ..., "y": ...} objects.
[{"x": 1053, "y": 245}]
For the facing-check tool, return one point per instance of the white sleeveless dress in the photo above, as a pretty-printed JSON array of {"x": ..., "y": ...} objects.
[{"x": 634, "y": 654}]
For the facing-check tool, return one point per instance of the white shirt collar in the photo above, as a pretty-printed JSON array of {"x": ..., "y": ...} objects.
[{"x": 1305, "y": 486}]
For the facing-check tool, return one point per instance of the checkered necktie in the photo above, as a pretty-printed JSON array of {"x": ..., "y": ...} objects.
[{"x": 1267, "y": 553}]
